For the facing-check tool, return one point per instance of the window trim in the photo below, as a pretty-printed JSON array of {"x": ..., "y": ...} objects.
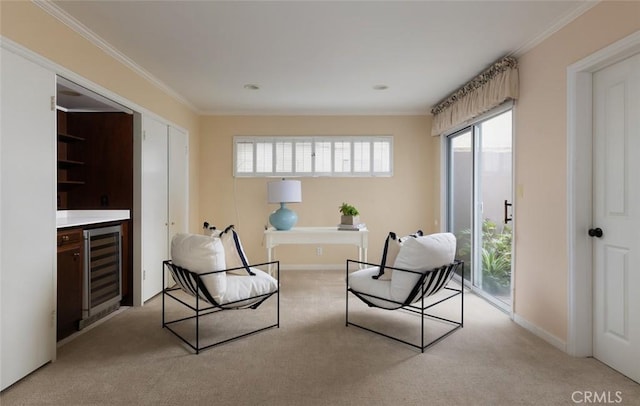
[{"x": 273, "y": 140}]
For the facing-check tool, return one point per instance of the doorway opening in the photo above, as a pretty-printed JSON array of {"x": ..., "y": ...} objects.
[{"x": 95, "y": 156}]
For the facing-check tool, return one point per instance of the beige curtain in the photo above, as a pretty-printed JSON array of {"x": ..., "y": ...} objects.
[{"x": 489, "y": 89}]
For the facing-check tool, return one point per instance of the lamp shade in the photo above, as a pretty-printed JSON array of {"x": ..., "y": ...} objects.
[{"x": 284, "y": 191}]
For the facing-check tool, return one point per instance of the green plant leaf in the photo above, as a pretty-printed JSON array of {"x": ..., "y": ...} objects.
[{"x": 348, "y": 210}]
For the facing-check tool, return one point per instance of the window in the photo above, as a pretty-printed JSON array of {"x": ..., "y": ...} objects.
[{"x": 360, "y": 156}]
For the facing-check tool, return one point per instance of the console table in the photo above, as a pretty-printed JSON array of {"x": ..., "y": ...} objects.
[{"x": 317, "y": 235}]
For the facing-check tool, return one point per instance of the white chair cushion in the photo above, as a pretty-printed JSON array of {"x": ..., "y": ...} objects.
[
  {"x": 234, "y": 253},
  {"x": 362, "y": 281},
  {"x": 420, "y": 254},
  {"x": 200, "y": 254},
  {"x": 245, "y": 286}
]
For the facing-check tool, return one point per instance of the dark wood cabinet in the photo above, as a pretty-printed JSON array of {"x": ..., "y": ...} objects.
[
  {"x": 70, "y": 278},
  {"x": 104, "y": 164},
  {"x": 95, "y": 160}
]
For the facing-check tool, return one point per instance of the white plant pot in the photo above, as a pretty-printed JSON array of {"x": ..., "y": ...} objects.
[{"x": 350, "y": 220}]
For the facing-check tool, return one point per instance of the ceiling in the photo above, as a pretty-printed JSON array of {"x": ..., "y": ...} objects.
[{"x": 314, "y": 57}]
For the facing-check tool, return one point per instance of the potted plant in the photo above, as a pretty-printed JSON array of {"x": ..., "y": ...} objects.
[{"x": 350, "y": 215}]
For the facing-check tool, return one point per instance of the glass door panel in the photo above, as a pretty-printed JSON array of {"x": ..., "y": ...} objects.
[
  {"x": 493, "y": 273},
  {"x": 460, "y": 195}
]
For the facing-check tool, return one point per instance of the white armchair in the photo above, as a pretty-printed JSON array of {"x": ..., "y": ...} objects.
[
  {"x": 198, "y": 265},
  {"x": 423, "y": 267}
]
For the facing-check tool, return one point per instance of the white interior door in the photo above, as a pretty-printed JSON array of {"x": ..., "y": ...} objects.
[
  {"x": 178, "y": 182},
  {"x": 616, "y": 205},
  {"x": 27, "y": 218},
  {"x": 155, "y": 172}
]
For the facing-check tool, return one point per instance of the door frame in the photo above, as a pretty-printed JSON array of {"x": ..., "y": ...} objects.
[
  {"x": 580, "y": 192},
  {"x": 444, "y": 196}
]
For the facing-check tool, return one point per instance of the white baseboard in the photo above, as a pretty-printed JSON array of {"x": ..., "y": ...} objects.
[{"x": 543, "y": 334}]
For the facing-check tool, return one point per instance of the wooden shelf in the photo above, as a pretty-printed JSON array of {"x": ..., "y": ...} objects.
[
  {"x": 70, "y": 182},
  {"x": 62, "y": 137},
  {"x": 65, "y": 186},
  {"x": 65, "y": 163}
]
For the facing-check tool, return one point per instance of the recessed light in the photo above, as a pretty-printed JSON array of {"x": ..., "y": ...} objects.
[
  {"x": 380, "y": 87},
  {"x": 251, "y": 86}
]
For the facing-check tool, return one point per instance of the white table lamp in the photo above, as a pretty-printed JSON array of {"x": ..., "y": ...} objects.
[{"x": 284, "y": 191}]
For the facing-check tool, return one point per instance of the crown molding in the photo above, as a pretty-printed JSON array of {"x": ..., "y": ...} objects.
[
  {"x": 63, "y": 72},
  {"x": 561, "y": 23},
  {"x": 103, "y": 45},
  {"x": 313, "y": 112}
]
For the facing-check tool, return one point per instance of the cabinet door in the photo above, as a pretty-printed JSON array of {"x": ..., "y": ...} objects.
[
  {"x": 69, "y": 303},
  {"x": 178, "y": 182},
  {"x": 27, "y": 217},
  {"x": 155, "y": 247}
]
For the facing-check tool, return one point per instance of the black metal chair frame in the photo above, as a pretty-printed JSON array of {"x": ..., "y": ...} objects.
[
  {"x": 210, "y": 306},
  {"x": 407, "y": 304}
]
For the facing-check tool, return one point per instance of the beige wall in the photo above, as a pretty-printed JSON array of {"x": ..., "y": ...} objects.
[
  {"x": 410, "y": 198},
  {"x": 33, "y": 28},
  {"x": 401, "y": 203},
  {"x": 541, "y": 164}
]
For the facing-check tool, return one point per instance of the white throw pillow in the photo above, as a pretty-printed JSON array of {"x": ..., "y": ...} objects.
[
  {"x": 420, "y": 254},
  {"x": 201, "y": 254},
  {"x": 234, "y": 253},
  {"x": 392, "y": 252}
]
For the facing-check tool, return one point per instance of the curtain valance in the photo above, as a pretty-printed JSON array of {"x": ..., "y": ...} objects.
[{"x": 489, "y": 89}]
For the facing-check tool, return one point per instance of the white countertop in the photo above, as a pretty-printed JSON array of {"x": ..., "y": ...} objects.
[{"x": 73, "y": 218}]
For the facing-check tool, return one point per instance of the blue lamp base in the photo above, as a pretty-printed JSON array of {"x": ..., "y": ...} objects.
[{"x": 283, "y": 218}]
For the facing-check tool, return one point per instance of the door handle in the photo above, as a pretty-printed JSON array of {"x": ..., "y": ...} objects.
[
  {"x": 506, "y": 216},
  {"x": 595, "y": 232}
]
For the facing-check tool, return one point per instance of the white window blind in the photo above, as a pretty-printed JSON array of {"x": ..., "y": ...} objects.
[
  {"x": 264, "y": 157},
  {"x": 304, "y": 156},
  {"x": 284, "y": 157},
  {"x": 360, "y": 156},
  {"x": 244, "y": 157},
  {"x": 322, "y": 157},
  {"x": 342, "y": 157}
]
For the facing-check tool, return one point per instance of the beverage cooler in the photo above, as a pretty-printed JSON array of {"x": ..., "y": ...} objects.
[{"x": 102, "y": 290}]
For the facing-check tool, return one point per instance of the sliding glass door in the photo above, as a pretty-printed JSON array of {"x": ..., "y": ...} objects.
[
  {"x": 461, "y": 195},
  {"x": 479, "y": 204}
]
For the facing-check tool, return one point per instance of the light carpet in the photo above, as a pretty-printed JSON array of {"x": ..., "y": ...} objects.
[{"x": 313, "y": 359}]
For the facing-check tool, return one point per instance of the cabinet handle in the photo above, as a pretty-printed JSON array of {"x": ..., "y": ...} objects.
[{"x": 65, "y": 238}]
